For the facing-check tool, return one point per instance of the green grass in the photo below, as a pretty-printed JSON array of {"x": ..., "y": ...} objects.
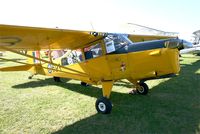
[{"x": 42, "y": 106}]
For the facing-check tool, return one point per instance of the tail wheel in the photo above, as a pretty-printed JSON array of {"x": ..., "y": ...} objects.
[
  {"x": 103, "y": 105},
  {"x": 30, "y": 77},
  {"x": 84, "y": 84},
  {"x": 142, "y": 89},
  {"x": 56, "y": 79}
]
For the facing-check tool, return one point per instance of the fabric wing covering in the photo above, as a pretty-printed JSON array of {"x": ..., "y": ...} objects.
[{"x": 32, "y": 38}]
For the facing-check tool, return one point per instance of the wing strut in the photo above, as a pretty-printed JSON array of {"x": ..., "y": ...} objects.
[{"x": 41, "y": 60}]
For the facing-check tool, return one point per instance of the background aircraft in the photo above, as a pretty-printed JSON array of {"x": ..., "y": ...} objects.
[
  {"x": 133, "y": 28},
  {"x": 195, "y": 48}
]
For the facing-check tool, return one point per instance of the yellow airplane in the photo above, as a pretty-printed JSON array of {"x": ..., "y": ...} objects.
[{"x": 101, "y": 59}]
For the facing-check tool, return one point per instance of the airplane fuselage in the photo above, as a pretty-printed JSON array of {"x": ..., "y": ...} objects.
[{"x": 136, "y": 62}]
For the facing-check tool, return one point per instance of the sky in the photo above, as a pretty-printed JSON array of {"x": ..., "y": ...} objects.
[{"x": 181, "y": 16}]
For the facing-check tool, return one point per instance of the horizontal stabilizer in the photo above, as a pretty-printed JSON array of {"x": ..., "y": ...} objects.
[{"x": 17, "y": 68}]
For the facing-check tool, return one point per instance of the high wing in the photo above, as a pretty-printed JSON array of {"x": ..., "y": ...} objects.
[{"x": 32, "y": 38}]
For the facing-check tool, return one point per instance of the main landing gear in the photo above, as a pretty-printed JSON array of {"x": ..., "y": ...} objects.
[
  {"x": 142, "y": 88},
  {"x": 103, "y": 105},
  {"x": 139, "y": 87}
]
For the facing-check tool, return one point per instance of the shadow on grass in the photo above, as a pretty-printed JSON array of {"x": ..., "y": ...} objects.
[
  {"x": 2, "y": 61},
  {"x": 171, "y": 107},
  {"x": 40, "y": 83},
  {"x": 123, "y": 83}
]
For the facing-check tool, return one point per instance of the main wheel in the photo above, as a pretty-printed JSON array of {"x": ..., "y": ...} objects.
[
  {"x": 103, "y": 105},
  {"x": 142, "y": 89}
]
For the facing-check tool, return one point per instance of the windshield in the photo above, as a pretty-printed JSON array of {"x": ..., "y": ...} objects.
[{"x": 114, "y": 42}]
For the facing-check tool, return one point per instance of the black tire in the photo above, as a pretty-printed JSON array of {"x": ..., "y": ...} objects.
[
  {"x": 103, "y": 105},
  {"x": 84, "y": 84},
  {"x": 56, "y": 79},
  {"x": 30, "y": 77},
  {"x": 144, "y": 89}
]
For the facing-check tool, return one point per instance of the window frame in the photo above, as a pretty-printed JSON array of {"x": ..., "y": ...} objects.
[{"x": 101, "y": 43}]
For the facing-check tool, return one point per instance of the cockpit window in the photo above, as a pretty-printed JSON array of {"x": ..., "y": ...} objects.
[
  {"x": 71, "y": 57},
  {"x": 114, "y": 42},
  {"x": 93, "y": 51}
]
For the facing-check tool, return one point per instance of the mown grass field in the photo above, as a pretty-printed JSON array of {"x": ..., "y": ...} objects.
[{"x": 40, "y": 105}]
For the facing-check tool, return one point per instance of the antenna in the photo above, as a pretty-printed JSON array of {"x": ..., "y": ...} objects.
[{"x": 92, "y": 25}]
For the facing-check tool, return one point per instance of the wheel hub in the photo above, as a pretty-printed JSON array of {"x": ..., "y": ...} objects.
[
  {"x": 102, "y": 106},
  {"x": 141, "y": 89}
]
